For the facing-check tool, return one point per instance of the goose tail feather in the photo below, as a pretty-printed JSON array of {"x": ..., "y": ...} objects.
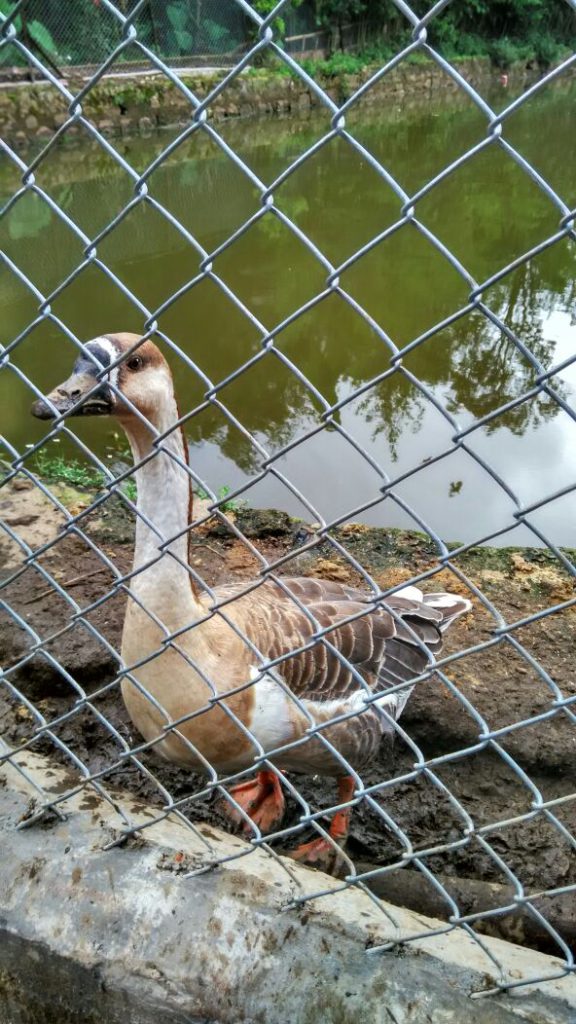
[{"x": 451, "y": 607}]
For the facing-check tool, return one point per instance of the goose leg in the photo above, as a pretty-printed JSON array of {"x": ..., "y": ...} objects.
[
  {"x": 261, "y": 799},
  {"x": 323, "y": 853}
]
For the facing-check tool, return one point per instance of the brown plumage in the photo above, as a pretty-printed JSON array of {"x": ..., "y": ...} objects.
[
  {"x": 201, "y": 689},
  {"x": 384, "y": 648}
]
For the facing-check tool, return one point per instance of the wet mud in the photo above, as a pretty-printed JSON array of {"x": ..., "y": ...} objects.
[{"x": 475, "y": 818}]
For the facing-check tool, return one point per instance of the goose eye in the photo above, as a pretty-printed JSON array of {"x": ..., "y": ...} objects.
[{"x": 134, "y": 363}]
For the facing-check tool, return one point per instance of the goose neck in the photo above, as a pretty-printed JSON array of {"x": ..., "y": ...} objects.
[{"x": 162, "y": 579}]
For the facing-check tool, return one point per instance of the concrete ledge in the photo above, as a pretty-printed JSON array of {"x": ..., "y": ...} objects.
[{"x": 126, "y": 935}]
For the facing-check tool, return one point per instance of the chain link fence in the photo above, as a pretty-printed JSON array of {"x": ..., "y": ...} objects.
[
  {"x": 202, "y": 32},
  {"x": 300, "y": 619},
  {"x": 179, "y": 32}
]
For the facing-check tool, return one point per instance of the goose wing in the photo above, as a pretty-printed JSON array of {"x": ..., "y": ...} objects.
[{"x": 386, "y": 644}]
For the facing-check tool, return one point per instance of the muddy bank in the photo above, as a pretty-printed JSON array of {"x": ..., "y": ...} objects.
[{"x": 42, "y": 701}]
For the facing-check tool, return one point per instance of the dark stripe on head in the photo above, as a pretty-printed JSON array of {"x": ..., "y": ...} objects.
[{"x": 85, "y": 365}]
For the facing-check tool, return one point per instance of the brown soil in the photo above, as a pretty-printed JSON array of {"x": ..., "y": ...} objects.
[{"x": 428, "y": 811}]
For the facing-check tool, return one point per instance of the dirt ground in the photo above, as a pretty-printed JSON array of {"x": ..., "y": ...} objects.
[{"x": 501, "y": 684}]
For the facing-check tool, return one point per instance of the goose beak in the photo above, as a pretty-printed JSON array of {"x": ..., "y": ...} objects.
[{"x": 77, "y": 396}]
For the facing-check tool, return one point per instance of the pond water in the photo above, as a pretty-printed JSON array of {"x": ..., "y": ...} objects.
[{"x": 487, "y": 213}]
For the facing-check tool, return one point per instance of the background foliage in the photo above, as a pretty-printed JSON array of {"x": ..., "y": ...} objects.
[
  {"x": 505, "y": 30},
  {"x": 355, "y": 31}
]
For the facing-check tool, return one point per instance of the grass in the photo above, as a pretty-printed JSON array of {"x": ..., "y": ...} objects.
[
  {"x": 234, "y": 505},
  {"x": 130, "y": 490},
  {"x": 57, "y": 469},
  {"x": 541, "y": 47}
]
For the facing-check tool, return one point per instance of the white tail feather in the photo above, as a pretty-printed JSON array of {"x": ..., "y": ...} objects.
[
  {"x": 411, "y": 594},
  {"x": 452, "y": 606}
]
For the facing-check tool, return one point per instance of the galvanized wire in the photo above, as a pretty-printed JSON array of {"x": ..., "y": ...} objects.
[
  {"x": 128, "y": 35},
  {"x": 193, "y": 32}
]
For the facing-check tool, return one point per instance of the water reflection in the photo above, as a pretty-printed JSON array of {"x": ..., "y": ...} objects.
[{"x": 488, "y": 213}]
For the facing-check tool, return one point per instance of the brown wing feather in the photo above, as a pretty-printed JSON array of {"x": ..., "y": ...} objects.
[{"x": 385, "y": 649}]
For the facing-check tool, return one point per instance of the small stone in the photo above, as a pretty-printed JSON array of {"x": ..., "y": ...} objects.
[
  {"x": 145, "y": 124},
  {"x": 44, "y": 132},
  {"x": 31, "y": 122},
  {"x": 331, "y": 570},
  {"x": 520, "y": 564}
]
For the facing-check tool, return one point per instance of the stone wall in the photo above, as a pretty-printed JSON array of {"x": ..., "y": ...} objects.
[{"x": 121, "y": 105}]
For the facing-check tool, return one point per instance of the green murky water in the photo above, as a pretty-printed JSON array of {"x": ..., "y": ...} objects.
[{"x": 487, "y": 213}]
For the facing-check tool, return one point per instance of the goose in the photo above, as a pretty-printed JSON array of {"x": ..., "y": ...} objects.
[{"x": 210, "y": 697}]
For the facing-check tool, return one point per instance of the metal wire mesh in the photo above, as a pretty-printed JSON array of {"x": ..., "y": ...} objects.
[
  {"x": 201, "y": 32},
  {"x": 130, "y": 756}
]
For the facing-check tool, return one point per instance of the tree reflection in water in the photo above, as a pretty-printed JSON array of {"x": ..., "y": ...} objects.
[{"x": 487, "y": 213}]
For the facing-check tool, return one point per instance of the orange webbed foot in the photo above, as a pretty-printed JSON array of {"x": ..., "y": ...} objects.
[
  {"x": 326, "y": 854},
  {"x": 261, "y": 799},
  {"x": 322, "y": 854}
]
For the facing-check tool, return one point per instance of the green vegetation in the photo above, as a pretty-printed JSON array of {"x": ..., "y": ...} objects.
[
  {"x": 341, "y": 63},
  {"x": 128, "y": 487},
  {"x": 62, "y": 470},
  {"x": 359, "y": 31},
  {"x": 190, "y": 29},
  {"x": 234, "y": 505},
  {"x": 506, "y": 31},
  {"x": 57, "y": 469},
  {"x": 264, "y": 7},
  {"x": 503, "y": 53},
  {"x": 33, "y": 29},
  {"x": 365, "y": 32}
]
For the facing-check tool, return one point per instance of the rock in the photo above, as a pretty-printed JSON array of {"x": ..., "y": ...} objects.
[
  {"x": 263, "y": 522},
  {"x": 26, "y": 519},
  {"x": 329, "y": 569},
  {"x": 145, "y": 124},
  {"x": 254, "y": 522},
  {"x": 520, "y": 564},
  {"x": 31, "y": 122}
]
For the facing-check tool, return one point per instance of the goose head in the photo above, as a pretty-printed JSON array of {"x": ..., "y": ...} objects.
[{"x": 114, "y": 375}]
